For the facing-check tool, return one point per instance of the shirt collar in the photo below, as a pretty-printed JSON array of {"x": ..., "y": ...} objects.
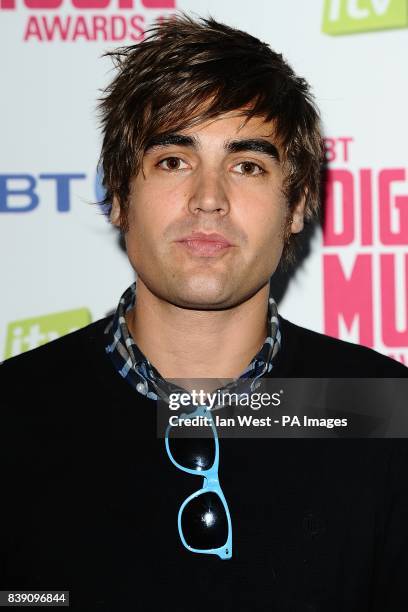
[{"x": 134, "y": 366}]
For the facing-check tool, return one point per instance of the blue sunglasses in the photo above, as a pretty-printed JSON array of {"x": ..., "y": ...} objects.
[{"x": 204, "y": 520}]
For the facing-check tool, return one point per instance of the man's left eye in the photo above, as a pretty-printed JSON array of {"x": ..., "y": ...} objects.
[{"x": 249, "y": 168}]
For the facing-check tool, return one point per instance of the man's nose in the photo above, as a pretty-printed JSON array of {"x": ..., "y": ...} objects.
[{"x": 208, "y": 194}]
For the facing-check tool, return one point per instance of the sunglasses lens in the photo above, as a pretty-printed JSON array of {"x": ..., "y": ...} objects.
[
  {"x": 204, "y": 522},
  {"x": 194, "y": 453}
]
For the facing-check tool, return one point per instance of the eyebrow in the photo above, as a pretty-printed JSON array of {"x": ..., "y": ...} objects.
[
  {"x": 166, "y": 140},
  {"x": 256, "y": 145}
]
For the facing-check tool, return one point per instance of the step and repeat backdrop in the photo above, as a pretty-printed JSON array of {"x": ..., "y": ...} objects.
[{"x": 61, "y": 262}]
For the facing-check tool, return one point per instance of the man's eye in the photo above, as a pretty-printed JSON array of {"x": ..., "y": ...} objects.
[
  {"x": 172, "y": 163},
  {"x": 249, "y": 168}
]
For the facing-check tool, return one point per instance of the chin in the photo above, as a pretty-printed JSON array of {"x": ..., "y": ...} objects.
[
  {"x": 201, "y": 302},
  {"x": 202, "y": 297}
]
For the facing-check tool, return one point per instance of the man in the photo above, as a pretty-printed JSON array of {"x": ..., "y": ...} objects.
[{"x": 211, "y": 159}]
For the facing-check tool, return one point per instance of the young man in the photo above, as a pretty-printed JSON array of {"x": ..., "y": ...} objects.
[{"x": 211, "y": 158}]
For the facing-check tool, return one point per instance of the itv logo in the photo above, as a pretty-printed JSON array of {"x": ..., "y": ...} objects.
[
  {"x": 356, "y": 16},
  {"x": 28, "y": 334}
]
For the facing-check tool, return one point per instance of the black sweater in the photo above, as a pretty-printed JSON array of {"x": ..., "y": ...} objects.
[{"x": 89, "y": 498}]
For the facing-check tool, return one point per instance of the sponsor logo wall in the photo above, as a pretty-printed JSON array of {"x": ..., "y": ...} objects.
[
  {"x": 62, "y": 263},
  {"x": 86, "y": 20}
]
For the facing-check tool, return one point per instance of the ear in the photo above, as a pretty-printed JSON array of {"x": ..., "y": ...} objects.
[
  {"x": 298, "y": 215},
  {"x": 115, "y": 212}
]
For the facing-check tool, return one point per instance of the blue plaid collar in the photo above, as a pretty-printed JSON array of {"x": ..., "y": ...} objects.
[{"x": 132, "y": 365}]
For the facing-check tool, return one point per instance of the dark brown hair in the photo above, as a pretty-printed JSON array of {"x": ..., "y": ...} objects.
[{"x": 187, "y": 71}]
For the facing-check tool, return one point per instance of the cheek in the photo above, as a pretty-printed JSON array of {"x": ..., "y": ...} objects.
[
  {"x": 150, "y": 214},
  {"x": 264, "y": 220}
]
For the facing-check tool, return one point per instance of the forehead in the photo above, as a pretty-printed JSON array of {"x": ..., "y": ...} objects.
[{"x": 233, "y": 124}]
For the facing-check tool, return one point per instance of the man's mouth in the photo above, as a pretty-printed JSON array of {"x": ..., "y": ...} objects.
[{"x": 205, "y": 245}]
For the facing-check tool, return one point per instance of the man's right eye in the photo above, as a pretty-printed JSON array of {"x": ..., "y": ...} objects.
[{"x": 172, "y": 163}]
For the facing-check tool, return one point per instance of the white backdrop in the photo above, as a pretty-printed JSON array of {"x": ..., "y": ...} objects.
[{"x": 60, "y": 257}]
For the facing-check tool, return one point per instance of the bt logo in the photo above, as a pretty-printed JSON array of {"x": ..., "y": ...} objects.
[{"x": 19, "y": 193}]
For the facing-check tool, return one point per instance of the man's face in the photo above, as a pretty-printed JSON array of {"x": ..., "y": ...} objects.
[{"x": 219, "y": 177}]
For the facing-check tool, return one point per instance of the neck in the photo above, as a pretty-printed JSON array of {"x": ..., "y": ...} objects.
[{"x": 183, "y": 343}]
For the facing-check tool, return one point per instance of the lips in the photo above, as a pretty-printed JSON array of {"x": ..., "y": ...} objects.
[
  {"x": 205, "y": 245},
  {"x": 202, "y": 237}
]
